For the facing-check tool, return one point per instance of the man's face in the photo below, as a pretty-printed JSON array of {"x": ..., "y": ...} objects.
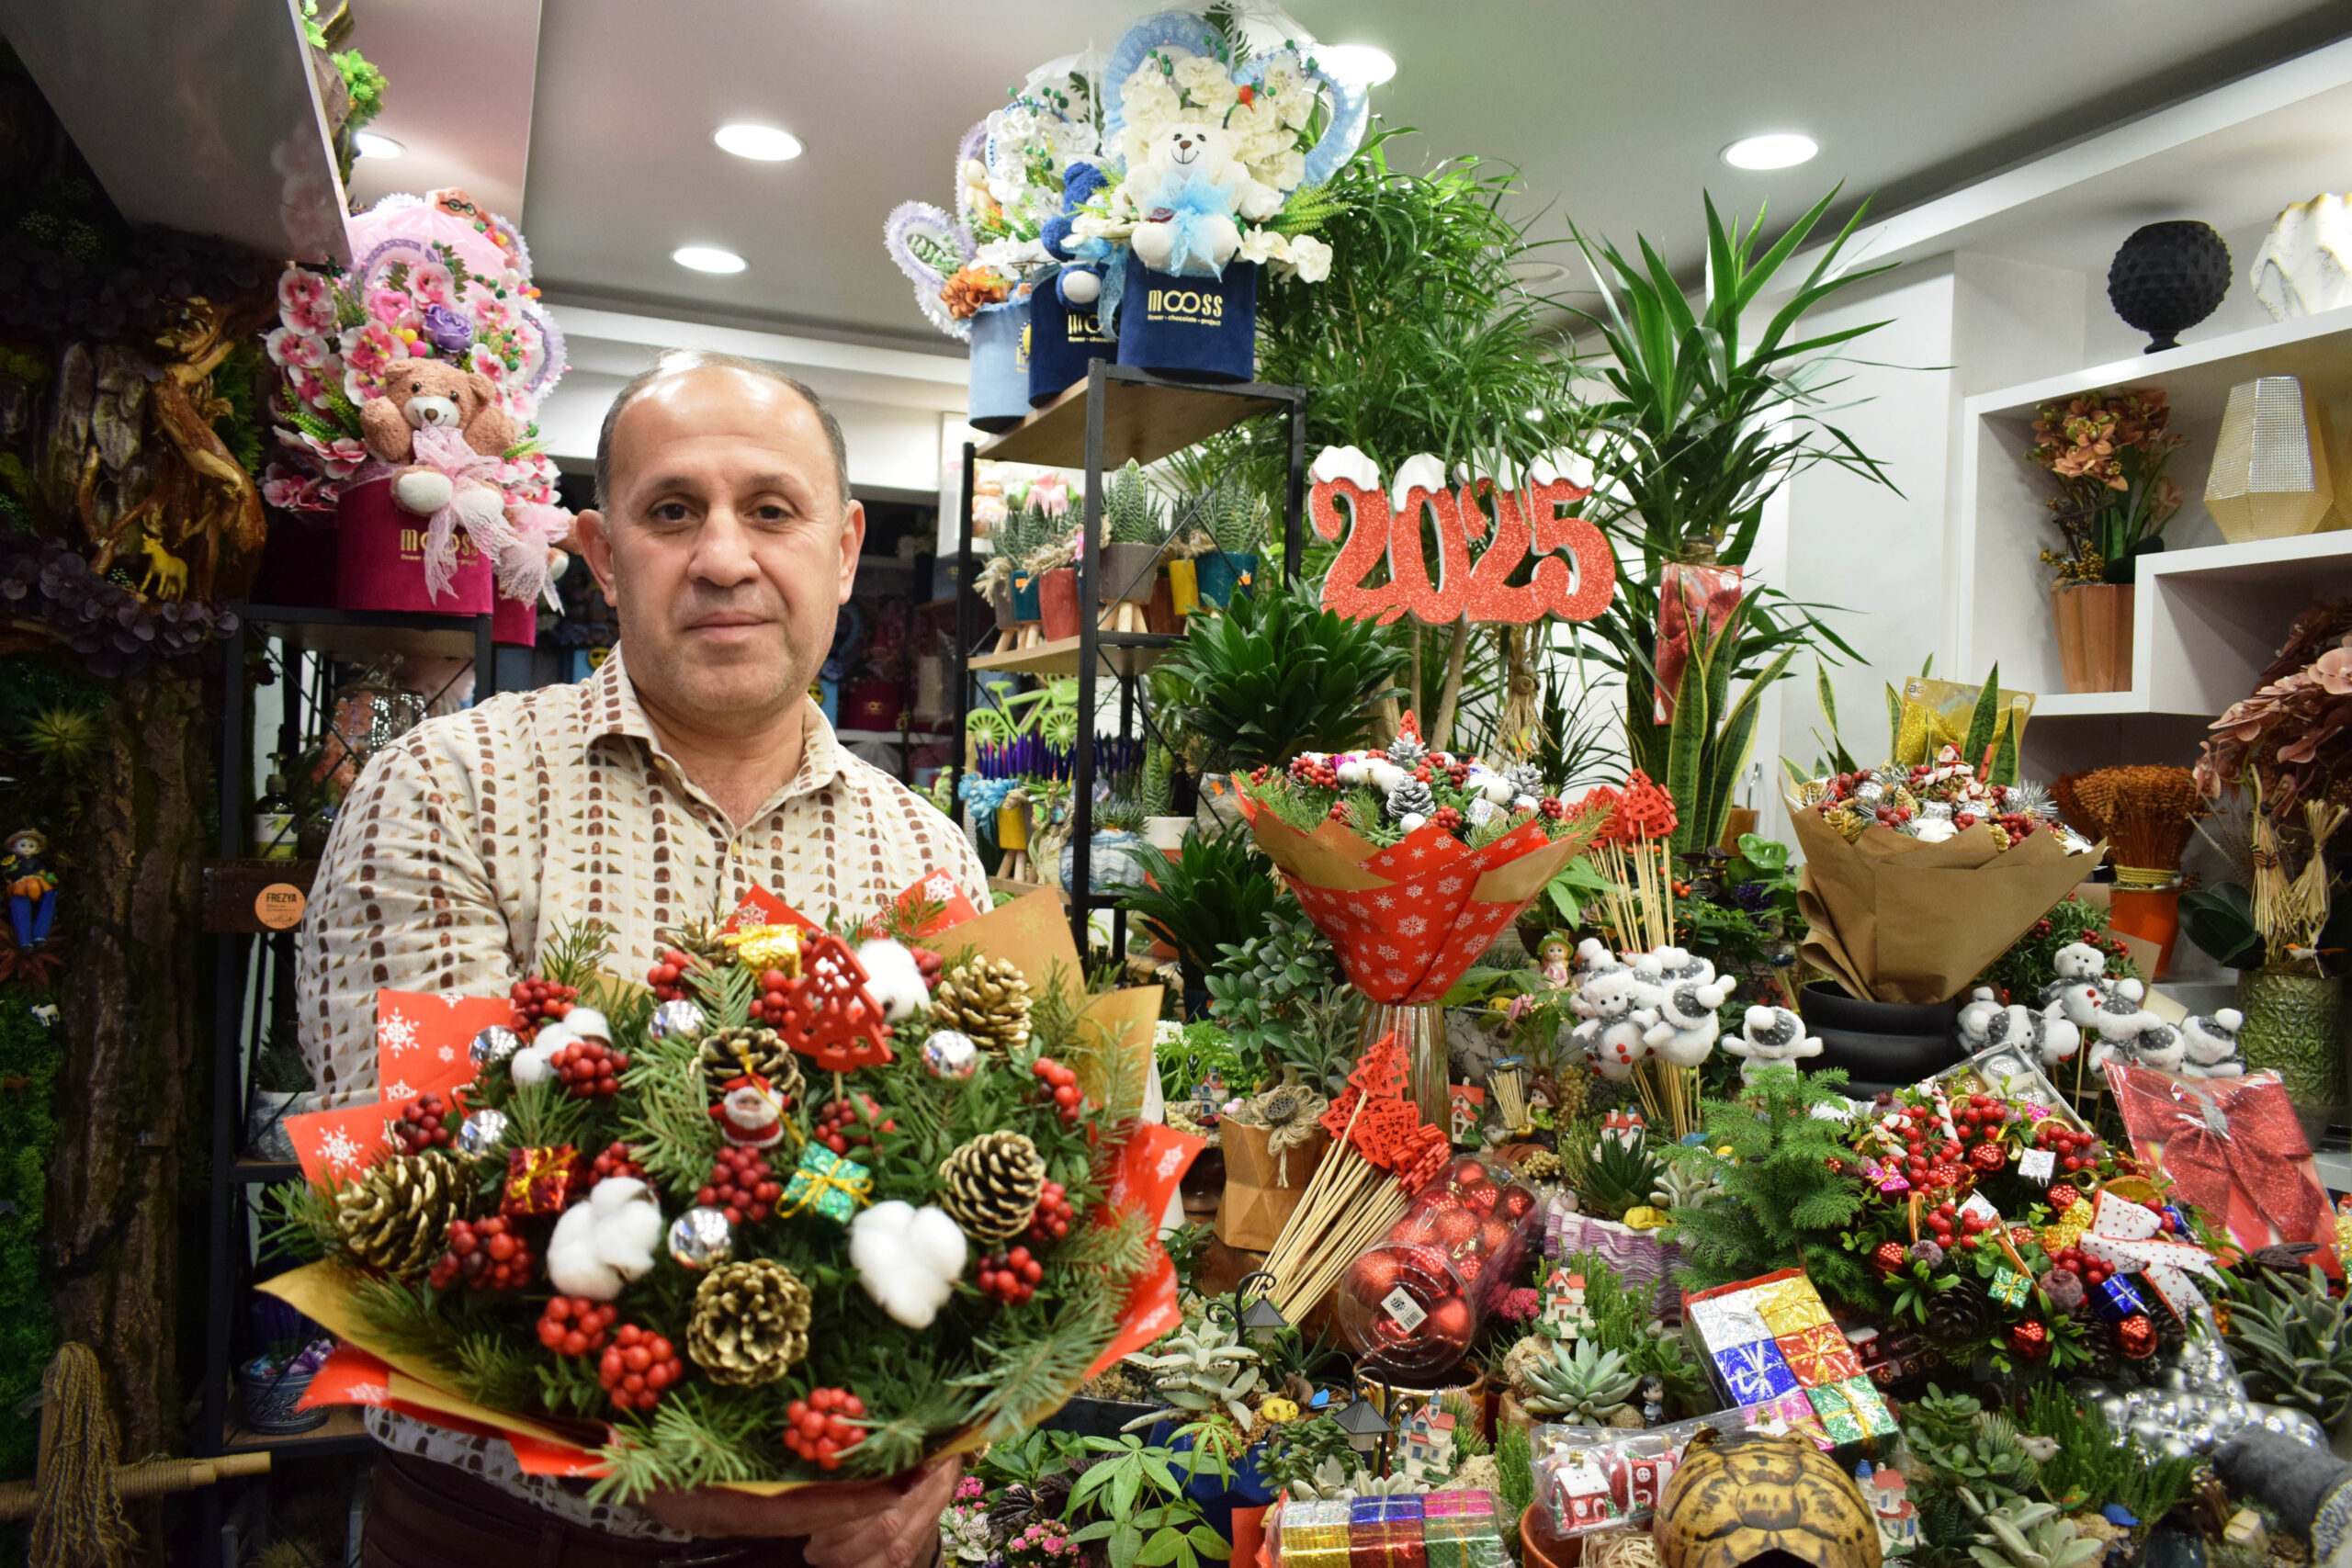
[{"x": 727, "y": 548}]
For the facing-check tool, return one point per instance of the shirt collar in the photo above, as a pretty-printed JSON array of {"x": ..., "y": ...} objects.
[{"x": 611, "y": 709}]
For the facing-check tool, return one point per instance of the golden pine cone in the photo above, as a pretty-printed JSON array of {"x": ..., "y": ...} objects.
[
  {"x": 394, "y": 1217},
  {"x": 729, "y": 1053},
  {"x": 750, "y": 1325},
  {"x": 990, "y": 1186},
  {"x": 699, "y": 939},
  {"x": 986, "y": 999}
]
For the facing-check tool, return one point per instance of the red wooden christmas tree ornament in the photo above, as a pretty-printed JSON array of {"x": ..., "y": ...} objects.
[{"x": 830, "y": 1015}]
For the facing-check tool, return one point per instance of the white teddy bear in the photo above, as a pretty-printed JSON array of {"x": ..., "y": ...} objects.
[
  {"x": 1686, "y": 1029},
  {"x": 2211, "y": 1044},
  {"x": 1770, "y": 1037},
  {"x": 2078, "y": 963},
  {"x": 1194, "y": 164}
]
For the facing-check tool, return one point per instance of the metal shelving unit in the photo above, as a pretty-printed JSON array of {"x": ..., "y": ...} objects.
[
  {"x": 233, "y": 927},
  {"x": 1116, "y": 415}
]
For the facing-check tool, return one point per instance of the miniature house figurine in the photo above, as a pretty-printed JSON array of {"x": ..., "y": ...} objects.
[
  {"x": 1564, "y": 1313},
  {"x": 1638, "y": 1479},
  {"x": 1584, "y": 1496},
  {"x": 1469, "y": 1109},
  {"x": 1425, "y": 1442},
  {"x": 1889, "y": 1500},
  {"x": 1626, "y": 1126}
]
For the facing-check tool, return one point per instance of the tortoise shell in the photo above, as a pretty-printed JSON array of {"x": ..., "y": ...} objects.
[{"x": 1734, "y": 1501}]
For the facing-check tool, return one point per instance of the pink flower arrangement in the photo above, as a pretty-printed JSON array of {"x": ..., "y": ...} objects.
[{"x": 2294, "y": 734}]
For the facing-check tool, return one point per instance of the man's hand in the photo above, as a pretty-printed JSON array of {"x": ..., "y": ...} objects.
[{"x": 867, "y": 1524}]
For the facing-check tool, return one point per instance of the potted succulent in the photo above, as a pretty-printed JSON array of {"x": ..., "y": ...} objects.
[
  {"x": 279, "y": 1078},
  {"x": 1117, "y": 854},
  {"x": 2108, "y": 453},
  {"x": 1135, "y": 525},
  {"x": 1234, "y": 519}
]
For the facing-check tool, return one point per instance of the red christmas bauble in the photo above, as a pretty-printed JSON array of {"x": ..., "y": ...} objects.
[
  {"x": 1942, "y": 1176},
  {"x": 1988, "y": 1159},
  {"x": 1373, "y": 1273},
  {"x": 2137, "y": 1335},
  {"x": 1888, "y": 1256},
  {"x": 2029, "y": 1338},
  {"x": 1449, "y": 1321}
]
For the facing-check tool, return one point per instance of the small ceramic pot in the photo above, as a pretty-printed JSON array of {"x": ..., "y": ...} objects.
[{"x": 1058, "y": 599}]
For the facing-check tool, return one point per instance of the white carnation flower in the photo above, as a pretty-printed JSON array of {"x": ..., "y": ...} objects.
[
  {"x": 1311, "y": 256},
  {"x": 1287, "y": 172},
  {"x": 1205, "y": 81},
  {"x": 1249, "y": 120},
  {"x": 1147, "y": 102}
]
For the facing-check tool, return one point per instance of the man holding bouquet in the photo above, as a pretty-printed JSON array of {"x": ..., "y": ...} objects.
[{"x": 690, "y": 768}]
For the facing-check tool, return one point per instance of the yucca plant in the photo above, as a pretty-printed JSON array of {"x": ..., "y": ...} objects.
[
  {"x": 1274, "y": 675},
  {"x": 1705, "y": 425},
  {"x": 1218, "y": 890}
]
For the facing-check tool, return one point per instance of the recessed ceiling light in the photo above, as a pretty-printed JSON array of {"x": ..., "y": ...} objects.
[
  {"x": 1362, "y": 65},
  {"x": 1777, "y": 149},
  {"x": 367, "y": 144},
  {"x": 706, "y": 258},
  {"x": 763, "y": 143}
]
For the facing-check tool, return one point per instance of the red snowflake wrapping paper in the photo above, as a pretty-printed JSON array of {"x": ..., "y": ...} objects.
[
  {"x": 1407, "y": 920},
  {"x": 2234, "y": 1150}
]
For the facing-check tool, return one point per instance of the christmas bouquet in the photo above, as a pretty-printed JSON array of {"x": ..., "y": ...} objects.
[
  {"x": 437, "y": 283},
  {"x": 1917, "y": 877},
  {"x": 815, "y": 1203},
  {"x": 1412, "y": 861}
]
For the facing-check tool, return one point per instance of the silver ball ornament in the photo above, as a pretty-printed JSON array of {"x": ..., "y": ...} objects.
[
  {"x": 2174, "y": 1447},
  {"x": 949, "y": 1054},
  {"x": 493, "y": 1044},
  {"x": 680, "y": 1017},
  {"x": 701, "y": 1238},
  {"x": 481, "y": 1131}
]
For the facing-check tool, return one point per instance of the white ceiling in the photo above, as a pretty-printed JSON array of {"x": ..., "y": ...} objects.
[{"x": 1615, "y": 111}]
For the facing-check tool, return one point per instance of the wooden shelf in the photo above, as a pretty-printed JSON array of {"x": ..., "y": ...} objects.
[
  {"x": 1023, "y": 889},
  {"x": 904, "y": 737},
  {"x": 358, "y": 637},
  {"x": 233, "y": 887},
  {"x": 1144, "y": 419},
  {"x": 1121, "y": 653},
  {"x": 344, "y": 1431},
  {"x": 203, "y": 117}
]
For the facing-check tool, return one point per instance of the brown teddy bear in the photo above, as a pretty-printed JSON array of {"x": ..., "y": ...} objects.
[{"x": 432, "y": 394}]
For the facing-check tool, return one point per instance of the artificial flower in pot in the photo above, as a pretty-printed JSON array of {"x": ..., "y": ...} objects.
[
  {"x": 1208, "y": 142},
  {"x": 2286, "y": 752},
  {"x": 2108, "y": 453}
]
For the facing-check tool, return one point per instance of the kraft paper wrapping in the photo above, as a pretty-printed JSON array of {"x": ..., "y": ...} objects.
[
  {"x": 1407, "y": 920},
  {"x": 1262, "y": 1188},
  {"x": 1033, "y": 933},
  {"x": 1895, "y": 920}
]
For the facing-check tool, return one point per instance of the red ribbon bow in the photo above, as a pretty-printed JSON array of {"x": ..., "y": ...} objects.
[{"x": 2259, "y": 1145}]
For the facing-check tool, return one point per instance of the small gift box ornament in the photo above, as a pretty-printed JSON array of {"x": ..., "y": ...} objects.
[
  {"x": 2117, "y": 1298},
  {"x": 1790, "y": 1305},
  {"x": 827, "y": 1184},
  {"x": 2009, "y": 1288},
  {"x": 540, "y": 1181},
  {"x": 1820, "y": 1354},
  {"x": 1752, "y": 1374}
]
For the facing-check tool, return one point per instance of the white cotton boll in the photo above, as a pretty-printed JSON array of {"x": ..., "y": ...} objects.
[
  {"x": 1354, "y": 771},
  {"x": 1495, "y": 786},
  {"x": 553, "y": 1037},
  {"x": 1411, "y": 821},
  {"x": 587, "y": 1023},
  {"x": 533, "y": 1064},
  {"x": 601, "y": 1244},
  {"x": 893, "y": 978},
  {"x": 907, "y": 1258},
  {"x": 1523, "y": 803},
  {"x": 1383, "y": 774}
]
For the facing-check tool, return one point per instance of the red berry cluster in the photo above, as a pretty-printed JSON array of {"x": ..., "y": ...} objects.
[
  {"x": 929, "y": 964},
  {"x": 1054, "y": 1215},
  {"x": 591, "y": 1069},
  {"x": 820, "y": 1427},
  {"x": 2082, "y": 1265},
  {"x": 484, "y": 1255},
  {"x": 839, "y": 1123},
  {"x": 667, "y": 979},
  {"x": 741, "y": 1183},
  {"x": 1338, "y": 813},
  {"x": 1983, "y": 1121},
  {"x": 1062, "y": 1083},
  {"x": 1447, "y": 818},
  {"x": 538, "y": 1001},
  {"x": 574, "y": 1326},
  {"x": 774, "y": 1003},
  {"x": 2076, "y": 1148},
  {"x": 1550, "y": 807},
  {"x": 1011, "y": 1277},
  {"x": 618, "y": 1160},
  {"x": 1927, "y": 1157},
  {"x": 636, "y": 1367},
  {"x": 1319, "y": 774},
  {"x": 1456, "y": 768},
  {"x": 423, "y": 1124},
  {"x": 1953, "y": 1227}
]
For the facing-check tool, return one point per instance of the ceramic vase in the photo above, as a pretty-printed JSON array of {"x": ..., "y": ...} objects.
[
  {"x": 2290, "y": 1021},
  {"x": 2167, "y": 278},
  {"x": 1223, "y": 574},
  {"x": 1058, "y": 602},
  {"x": 2093, "y": 622}
]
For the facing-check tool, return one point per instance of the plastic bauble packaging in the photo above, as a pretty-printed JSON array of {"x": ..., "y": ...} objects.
[{"x": 1410, "y": 1305}]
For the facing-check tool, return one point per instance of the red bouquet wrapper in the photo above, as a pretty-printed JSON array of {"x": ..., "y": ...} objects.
[
  {"x": 1407, "y": 920},
  {"x": 2235, "y": 1151}
]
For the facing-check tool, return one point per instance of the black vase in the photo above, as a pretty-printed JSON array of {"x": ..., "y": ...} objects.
[
  {"x": 1881, "y": 1045},
  {"x": 2167, "y": 278}
]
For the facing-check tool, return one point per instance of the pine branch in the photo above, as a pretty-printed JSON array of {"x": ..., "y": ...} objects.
[
  {"x": 543, "y": 1115},
  {"x": 299, "y": 1220},
  {"x": 577, "y": 953},
  {"x": 404, "y": 1321},
  {"x": 495, "y": 1373},
  {"x": 568, "y": 1383},
  {"x": 670, "y": 1130},
  {"x": 724, "y": 993}
]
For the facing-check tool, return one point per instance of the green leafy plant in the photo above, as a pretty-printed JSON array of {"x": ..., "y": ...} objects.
[
  {"x": 1961, "y": 1443},
  {"x": 1515, "y": 1464},
  {"x": 1217, "y": 891},
  {"x": 1781, "y": 1198},
  {"x": 1705, "y": 425},
  {"x": 2287, "y": 1334},
  {"x": 1283, "y": 999},
  {"x": 2219, "y": 920},
  {"x": 1143, "y": 1515},
  {"x": 2031, "y": 964},
  {"x": 1274, "y": 675},
  {"x": 1294, "y": 1451},
  {"x": 2093, "y": 1464},
  {"x": 1132, "y": 514}
]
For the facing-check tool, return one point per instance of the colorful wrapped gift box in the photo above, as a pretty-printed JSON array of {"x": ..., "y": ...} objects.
[
  {"x": 1819, "y": 1355},
  {"x": 1723, "y": 1322},
  {"x": 1754, "y": 1373},
  {"x": 1792, "y": 1412},
  {"x": 1790, "y": 1305}
]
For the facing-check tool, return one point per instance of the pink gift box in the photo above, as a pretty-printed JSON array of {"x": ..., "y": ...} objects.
[
  {"x": 514, "y": 623},
  {"x": 379, "y": 559}
]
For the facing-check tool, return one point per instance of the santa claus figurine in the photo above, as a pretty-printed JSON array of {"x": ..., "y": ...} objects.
[{"x": 748, "y": 1113}]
